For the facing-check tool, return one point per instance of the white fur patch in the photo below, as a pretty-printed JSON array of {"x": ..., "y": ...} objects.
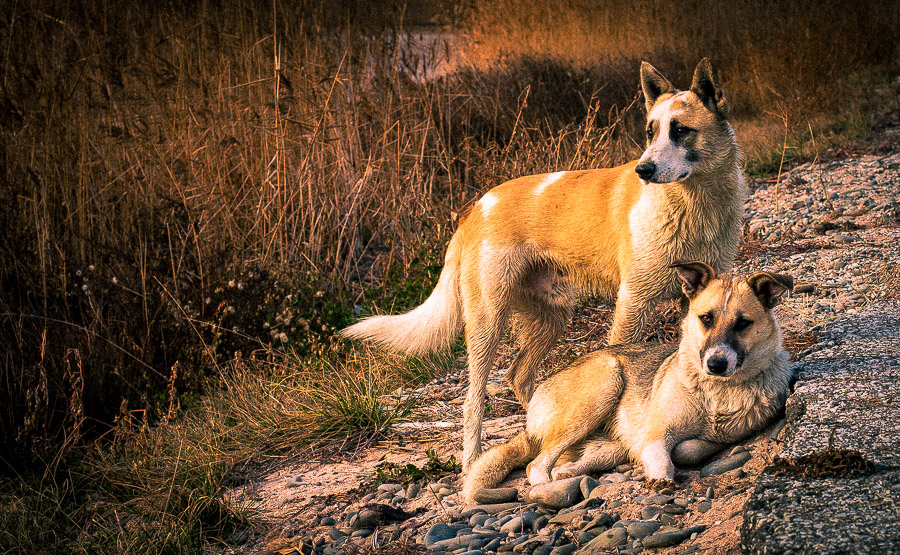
[
  {"x": 487, "y": 202},
  {"x": 547, "y": 181},
  {"x": 656, "y": 461},
  {"x": 668, "y": 157},
  {"x": 641, "y": 214}
]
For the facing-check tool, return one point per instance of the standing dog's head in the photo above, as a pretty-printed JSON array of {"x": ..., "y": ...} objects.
[
  {"x": 730, "y": 322},
  {"x": 687, "y": 131}
]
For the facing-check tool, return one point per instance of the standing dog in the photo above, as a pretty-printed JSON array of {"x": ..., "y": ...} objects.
[
  {"x": 530, "y": 246},
  {"x": 658, "y": 403}
]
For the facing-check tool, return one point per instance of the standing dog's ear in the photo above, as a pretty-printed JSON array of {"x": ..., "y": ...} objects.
[
  {"x": 769, "y": 287},
  {"x": 694, "y": 275},
  {"x": 653, "y": 84},
  {"x": 706, "y": 86}
]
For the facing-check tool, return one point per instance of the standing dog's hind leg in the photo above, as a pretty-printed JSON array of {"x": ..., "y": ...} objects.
[{"x": 537, "y": 331}]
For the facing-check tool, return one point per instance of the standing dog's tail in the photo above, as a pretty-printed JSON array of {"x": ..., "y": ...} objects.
[
  {"x": 428, "y": 327},
  {"x": 492, "y": 467}
]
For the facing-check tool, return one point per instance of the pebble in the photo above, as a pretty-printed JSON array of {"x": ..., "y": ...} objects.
[
  {"x": 642, "y": 528},
  {"x": 412, "y": 491},
  {"x": 557, "y": 494},
  {"x": 725, "y": 464},
  {"x": 519, "y": 523},
  {"x": 587, "y": 486},
  {"x": 327, "y": 521},
  {"x": 438, "y": 532},
  {"x": 491, "y": 509},
  {"x": 650, "y": 511},
  {"x": 491, "y": 496},
  {"x": 614, "y": 537},
  {"x": 567, "y": 549},
  {"x": 666, "y": 539},
  {"x": 704, "y": 506}
]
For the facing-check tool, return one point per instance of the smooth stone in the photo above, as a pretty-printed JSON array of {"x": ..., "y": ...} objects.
[
  {"x": 710, "y": 493},
  {"x": 725, "y": 464},
  {"x": 492, "y": 545},
  {"x": 471, "y": 541},
  {"x": 586, "y": 536},
  {"x": 367, "y": 518},
  {"x": 666, "y": 539},
  {"x": 543, "y": 550},
  {"x": 556, "y": 495},
  {"x": 567, "y": 517},
  {"x": 681, "y": 501},
  {"x": 614, "y": 537},
  {"x": 657, "y": 499},
  {"x": 602, "y": 519},
  {"x": 704, "y": 506},
  {"x": 412, "y": 491},
  {"x": 642, "y": 528},
  {"x": 650, "y": 512},
  {"x": 478, "y": 519},
  {"x": 491, "y": 496},
  {"x": 335, "y": 534},
  {"x": 491, "y": 509},
  {"x": 616, "y": 477},
  {"x": 615, "y": 504},
  {"x": 438, "y": 532},
  {"x": 673, "y": 510},
  {"x": 539, "y": 523},
  {"x": 587, "y": 486},
  {"x": 473, "y": 552},
  {"x": 567, "y": 549},
  {"x": 362, "y": 533},
  {"x": 529, "y": 545},
  {"x": 519, "y": 523},
  {"x": 667, "y": 519},
  {"x": 327, "y": 521},
  {"x": 390, "y": 488}
]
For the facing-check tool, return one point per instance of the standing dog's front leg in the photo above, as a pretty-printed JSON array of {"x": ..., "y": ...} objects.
[{"x": 632, "y": 305}]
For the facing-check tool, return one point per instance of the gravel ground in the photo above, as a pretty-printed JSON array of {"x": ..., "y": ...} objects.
[{"x": 834, "y": 226}]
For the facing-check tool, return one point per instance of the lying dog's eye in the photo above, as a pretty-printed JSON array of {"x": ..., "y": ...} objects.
[
  {"x": 706, "y": 319},
  {"x": 649, "y": 133},
  {"x": 742, "y": 323},
  {"x": 679, "y": 131}
]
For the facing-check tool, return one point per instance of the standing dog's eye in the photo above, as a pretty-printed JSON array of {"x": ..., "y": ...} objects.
[
  {"x": 706, "y": 320},
  {"x": 742, "y": 323}
]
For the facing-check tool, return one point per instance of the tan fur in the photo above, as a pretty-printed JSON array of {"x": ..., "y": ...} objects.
[
  {"x": 531, "y": 246},
  {"x": 657, "y": 403}
]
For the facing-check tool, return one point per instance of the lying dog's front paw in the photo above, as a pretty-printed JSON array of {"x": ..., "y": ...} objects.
[
  {"x": 657, "y": 484},
  {"x": 567, "y": 470}
]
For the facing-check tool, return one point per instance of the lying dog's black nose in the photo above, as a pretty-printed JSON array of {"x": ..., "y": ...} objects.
[
  {"x": 717, "y": 365},
  {"x": 646, "y": 170}
]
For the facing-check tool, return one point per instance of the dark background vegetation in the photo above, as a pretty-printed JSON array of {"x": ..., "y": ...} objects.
[{"x": 194, "y": 197}]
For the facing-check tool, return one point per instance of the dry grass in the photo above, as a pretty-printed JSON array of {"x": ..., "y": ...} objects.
[{"x": 182, "y": 184}]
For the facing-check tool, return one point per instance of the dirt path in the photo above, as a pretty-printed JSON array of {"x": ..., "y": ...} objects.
[{"x": 834, "y": 226}]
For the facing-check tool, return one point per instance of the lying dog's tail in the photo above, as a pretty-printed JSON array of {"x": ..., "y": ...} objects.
[
  {"x": 492, "y": 467},
  {"x": 428, "y": 327}
]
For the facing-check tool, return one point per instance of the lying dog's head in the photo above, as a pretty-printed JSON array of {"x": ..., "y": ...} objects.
[
  {"x": 687, "y": 131},
  {"x": 730, "y": 322}
]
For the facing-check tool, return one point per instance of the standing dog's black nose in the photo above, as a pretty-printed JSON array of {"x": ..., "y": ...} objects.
[
  {"x": 646, "y": 170},
  {"x": 717, "y": 365}
]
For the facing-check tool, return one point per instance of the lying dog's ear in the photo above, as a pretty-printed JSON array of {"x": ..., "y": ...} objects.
[
  {"x": 706, "y": 86},
  {"x": 769, "y": 287},
  {"x": 694, "y": 276},
  {"x": 653, "y": 84}
]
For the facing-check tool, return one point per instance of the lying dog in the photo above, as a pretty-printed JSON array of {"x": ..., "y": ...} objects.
[
  {"x": 531, "y": 246},
  {"x": 657, "y": 404}
]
